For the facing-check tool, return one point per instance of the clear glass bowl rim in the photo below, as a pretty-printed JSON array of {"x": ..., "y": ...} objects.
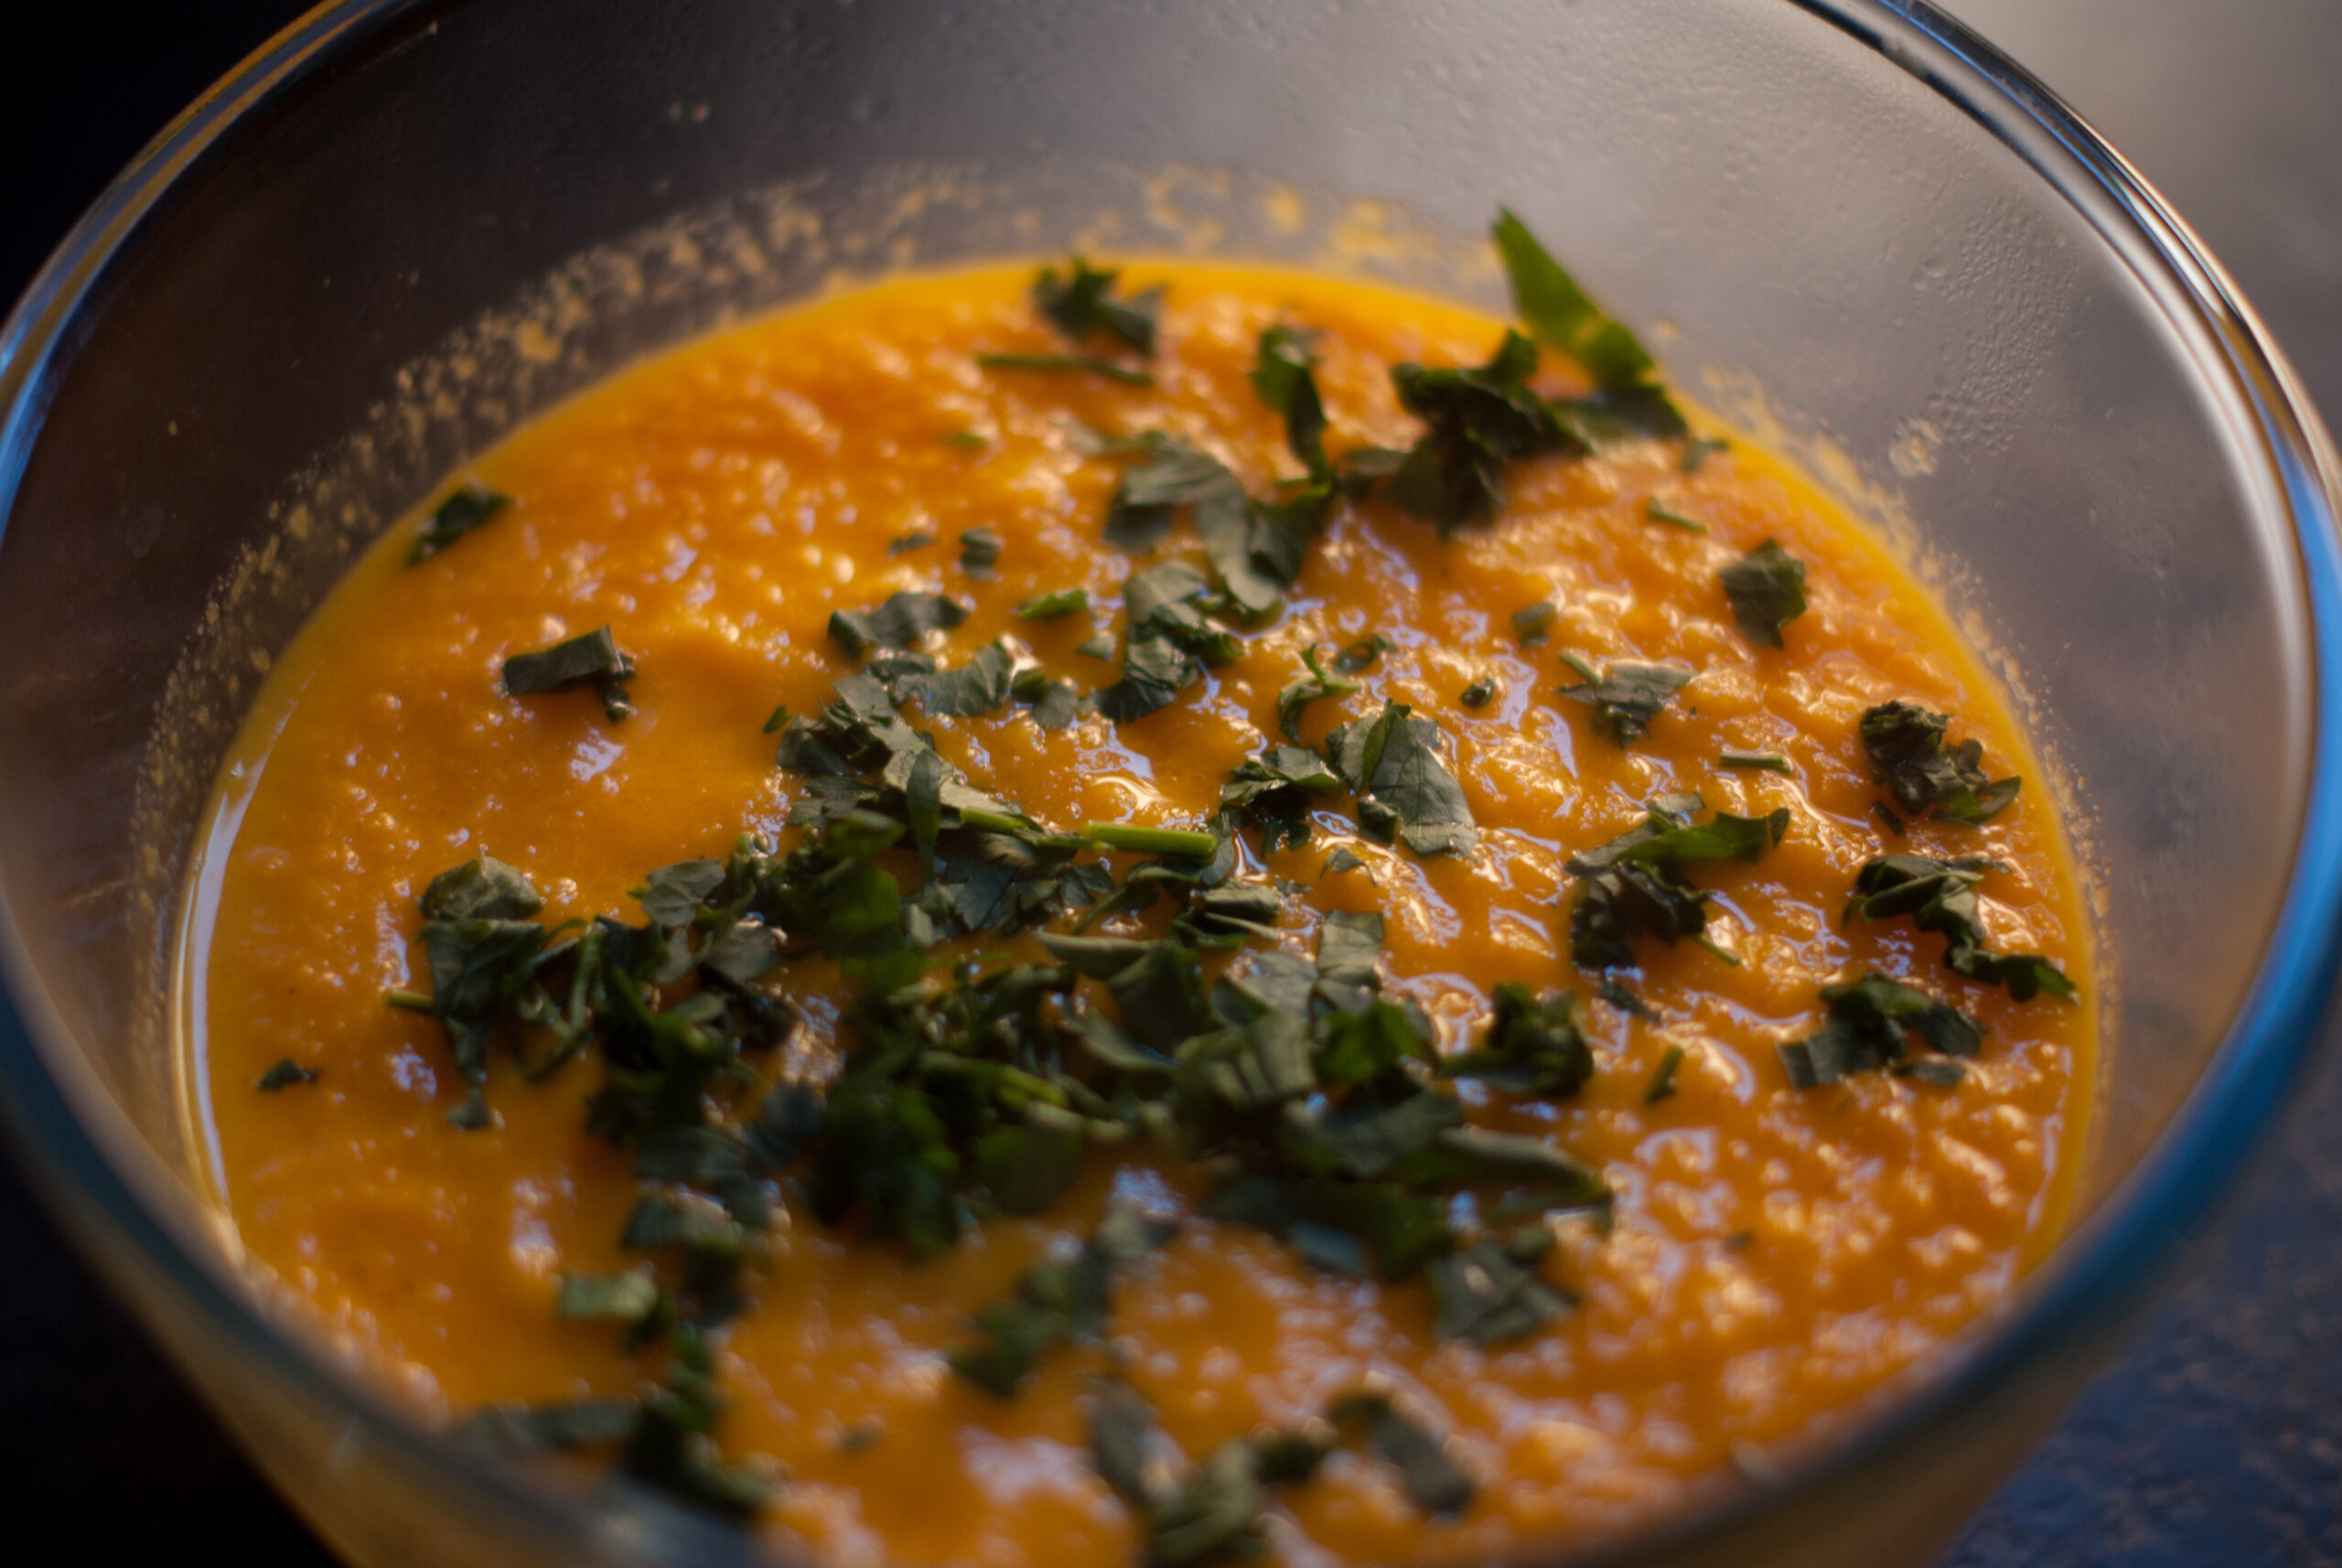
[{"x": 109, "y": 1192}]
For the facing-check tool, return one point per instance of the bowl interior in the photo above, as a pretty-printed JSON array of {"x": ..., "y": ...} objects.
[{"x": 345, "y": 279}]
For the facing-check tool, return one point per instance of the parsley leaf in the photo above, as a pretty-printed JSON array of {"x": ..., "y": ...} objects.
[
  {"x": 1433, "y": 1480},
  {"x": 1766, "y": 590},
  {"x": 1532, "y": 623},
  {"x": 1271, "y": 794},
  {"x": 1662, "y": 1077},
  {"x": 1557, "y": 311},
  {"x": 1299, "y": 693},
  {"x": 471, "y": 507},
  {"x": 979, "y": 686},
  {"x": 1478, "y": 420},
  {"x": 1283, "y": 377},
  {"x": 1055, "y": 606},
  {"x": 1531, "y": 1047},
  {"x": 1871, "y": 1024},
  {"x": 1940, "y": 897},
  {"x": 980, "y": 551},
  {"x": 903, "y": 620},
  {"x": 285, "y": 1075},
  {"x": 1626, "y": 697},
  {"x": 1056, "y": 1301},
  {"x": 1905, "y": 743},
  {"x": 1633, "y": 886},
  {"x": 1491, "y": 1293},
  {"x": 590, "y": 660},
  {"x": 1402, "y": 788},
  {"x": 1480, "y": 692},
  {"x": 1081, "y": 305},
  {"x": 1658, "y": 512}
]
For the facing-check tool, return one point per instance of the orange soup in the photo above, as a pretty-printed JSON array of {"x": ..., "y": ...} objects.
[{"x": 1137, "y": 917}]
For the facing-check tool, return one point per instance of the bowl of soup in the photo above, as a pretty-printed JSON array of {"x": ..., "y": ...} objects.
[{"x": 1016, "y": 784}]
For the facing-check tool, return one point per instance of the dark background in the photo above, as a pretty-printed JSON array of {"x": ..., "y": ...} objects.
[{"x": 2216, "y": 1440}]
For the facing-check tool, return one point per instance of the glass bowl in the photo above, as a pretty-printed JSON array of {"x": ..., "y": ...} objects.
[{"x": 403, "y": 227}]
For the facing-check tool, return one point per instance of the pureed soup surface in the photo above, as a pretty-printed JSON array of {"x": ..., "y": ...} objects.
[{"x": 1764, "y": 1253}]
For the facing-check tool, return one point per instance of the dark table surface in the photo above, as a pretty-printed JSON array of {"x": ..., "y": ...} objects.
[{"x": 2217, "y": 1438}]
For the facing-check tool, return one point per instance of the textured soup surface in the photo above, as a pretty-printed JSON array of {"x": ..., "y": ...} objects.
[{"x": 1774, "y": 1253}]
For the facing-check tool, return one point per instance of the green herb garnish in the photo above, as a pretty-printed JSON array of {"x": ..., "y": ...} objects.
[
  {"x": 966, "y": 440},
  {"x": 906, "y": 544},
  {"x": 1766, "y": 590},
  {"x": 1557, "y": 312},
  {"x": 1872, "y": 1023},
  {"x": 1626, "y": 697},
  {"x": 1283, "y": 377},
  {"x": 1392, "y": 764},
  {"x": 1272, "y": 793},
  {"x": 1056, "y": 1302},
  {"x": 1531, "y": 1047},
  {"x": 1083, "y": 364},
  {"x": 1697, "y": 450},
  {"x": 1480, "y": 692},
  {"x": 1662, "y": 1077},
  {"x": 1298, "y": 694},
  {"x": 287, "y": 1074},
  {"x": 980, "y": 551},
  {"x": 1634, "y": 886},
  {"x": 1905, "y": 743},
  {"x": 904, "y": 620},
  {"x": 1081, "y": 305},
  {"x": 1940, "y": 897},
  {"x": 1055, "y": 606},
  {"x": 1753, "y": 761},
  {"x": 471, "y": 507},
  {"x": 1430, "y": 1475},
  {"x": 1532, "y": 623},
  {"x": 1657, "y": 511},
  {"x": 590, "y": 660}
]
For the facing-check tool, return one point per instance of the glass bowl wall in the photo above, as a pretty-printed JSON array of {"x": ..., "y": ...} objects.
[{"x": 406, "y": 227}]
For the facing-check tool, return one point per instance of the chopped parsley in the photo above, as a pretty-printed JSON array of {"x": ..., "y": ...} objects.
[
  {"x": 1284, "y": 379},
  {"x": 1531, "y": 1047},
  {"x": 1272, "y": 794},
  {"x": 1873, "y": 1024},
  {"x": 980, "y": 551},
  {"x": 1766, "y": 589},
  {"x": 1662, "y": 1077},
  {"x": 1360, "y": 655},
  {"x": 903, "y": 621},
  {"x": 1697, "y": 450},
  {"x": 1556, "y": 311},
  {"x": 1479, "y": 694},
  {"x": 1940, "y": 897},
  {"x": 1904, "y": 744},
  {"x": 1427, "y": 1472},
  {"x": 1659, "y": 511},
  {"x": 1055, "y": 606},
  {"x": 1082, "y": 304},
  {"x": 1299, "y": 693},
  {"x": 590, "y": 660},
  {"x": 1056, "y": 1301},
  {"x": 1478, "y": 420},
  {"x": 1083, "y": 364},
  {"x": 1634, "y": 886},
  {"x": 1392, "y": 764},
  {"x": 904, "y": 545},
  {"x": 285, "y": 1074},
  {"x": 1626, "y": 698},
  {"x": 1533, "y": 623},
  {"x": 469, "y": 508},
  {"x": 1753, "y": 761}
]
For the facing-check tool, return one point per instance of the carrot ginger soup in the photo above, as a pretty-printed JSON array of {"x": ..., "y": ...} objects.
[{"x": 1136, "y": 915}]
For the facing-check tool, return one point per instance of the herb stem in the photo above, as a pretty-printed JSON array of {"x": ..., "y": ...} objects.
[
  {"x": 411, "y": 1002},
  {"x": 1180, "y": 841},
  {"x": 1758, "y": 761},
  {"x": 1725, "y": 954},
  {"x": 992, "y": 823},
  {"x": 1089, "y": 364}
]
